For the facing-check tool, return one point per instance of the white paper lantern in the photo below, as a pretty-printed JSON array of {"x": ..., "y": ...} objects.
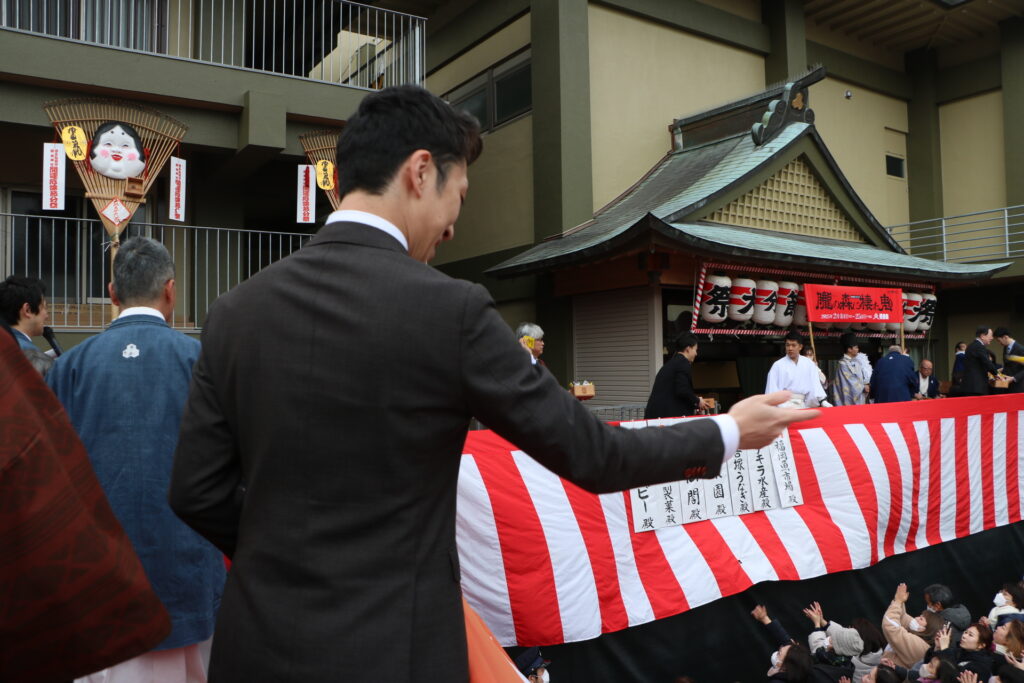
[
  {"x": 858, "y": 326},
  {"x": 800, "y": 314},
  {"x": 766, "y": 298},
  {"x": 911, "y": 308},
  {"x": 714, "y": 298},
  {"x": 877, "y": 327},
  {"x": 926, "y": 314},
  {"x": 741, "y": 299},
  {"x": 786, "y": 306}
]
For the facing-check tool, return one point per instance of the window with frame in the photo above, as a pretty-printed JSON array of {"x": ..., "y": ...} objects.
[{"x": 497, "y": 95}]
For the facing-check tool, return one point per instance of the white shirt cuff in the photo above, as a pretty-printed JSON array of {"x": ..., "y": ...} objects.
[{"x": 730, "y": 434}]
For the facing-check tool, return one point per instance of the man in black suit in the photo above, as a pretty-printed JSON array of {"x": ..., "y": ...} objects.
[
  {"x": 323, "y": 458},
  {"x": 672, "y": 394},
  {"x": 1011, "y": 368},
  {"x": 978, "y": 364}
]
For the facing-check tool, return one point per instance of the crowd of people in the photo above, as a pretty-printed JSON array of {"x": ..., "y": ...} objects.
[
  {"x": 328, "y": 476},
  {"x": 855, "y": 381},
  {"x": 942, "y": 643}
]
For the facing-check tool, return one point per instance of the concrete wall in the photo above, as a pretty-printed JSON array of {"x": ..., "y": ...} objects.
[
  {"x": 973, "y": 168},
  {"x": 498, "y": 213},
  {"x": 503, "y": 43},
  {"x": 859, "y": 131},
  {"x": 642, "y": 76}
]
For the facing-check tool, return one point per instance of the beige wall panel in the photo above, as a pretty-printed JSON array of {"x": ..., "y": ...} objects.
[
  {"x": 503, "y": 43},
  {"x": 515, "y": 312},
  {"x": 498, "y": 213},
  {"x": 897, "y": 210},
  {"x": 642, "y": 76},
  {"x": 855, "y": 131},
  {"x": 973, "y": 164},
  {"x": 850, "y": 45},
  {"x": 748, "y": 9}
]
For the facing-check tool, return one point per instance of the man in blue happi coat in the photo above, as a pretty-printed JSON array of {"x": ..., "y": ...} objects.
[
  {"x": 894, "y": 378},
  {"x": 125, "y": 390}
]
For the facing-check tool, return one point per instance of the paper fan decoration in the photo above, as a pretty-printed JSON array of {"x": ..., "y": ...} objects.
[
  {"x": 321, "y": 149},
  {"x": 118, "y": 149}
]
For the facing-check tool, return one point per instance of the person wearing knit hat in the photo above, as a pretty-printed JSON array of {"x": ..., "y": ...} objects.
[{"x": 831, "y": 642}]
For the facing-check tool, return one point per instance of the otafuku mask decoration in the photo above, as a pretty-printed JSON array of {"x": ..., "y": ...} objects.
[{"x": 117, "y": 151}]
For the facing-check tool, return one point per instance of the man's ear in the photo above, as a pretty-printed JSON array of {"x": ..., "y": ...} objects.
[
  {"x": 25, "y": 311},
  {"x": 113, "y": 297},
  {"x": 417, "y": 171}
]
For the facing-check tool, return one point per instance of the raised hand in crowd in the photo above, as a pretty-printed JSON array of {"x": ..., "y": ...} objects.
[
  {"x": 815, "y": 614},
  {"x": 844, "y": 679},
  {"x": 761, "y": 614},
  {"x": 968, "y": 677},
  {"x": 761, "y": 420},
  {"x": 1016, "y": 661},
  {"x": 902, "y": 594},
  {"x": 942, "y": 638}
]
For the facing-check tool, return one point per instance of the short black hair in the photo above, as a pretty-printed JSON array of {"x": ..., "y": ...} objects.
[
  {"x": 939, "y": 594},
  {"x": 849, "y": 340},
  {"x": 982, "y": 329},
  {"x": 1003, "y": 332},
  {"x": 793, "y": 335},
  {"x": 111, "y": 125},
  {"x": 15, "y": 292},
  {"x": 1016, "y": 592},
  {"x": 392, "y": 124},
  {"x": 685, "y": 340}
]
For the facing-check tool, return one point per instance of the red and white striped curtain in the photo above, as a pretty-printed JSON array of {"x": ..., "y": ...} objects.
[{"x": 545, "y": 562}]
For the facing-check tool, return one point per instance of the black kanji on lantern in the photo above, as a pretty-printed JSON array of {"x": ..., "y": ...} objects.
[
  {"x": 717, "y": 299},
  {"x": 748, "y": 299},
  {"x": 926, "y": 313},
  {"x": 791, "y": 300}
]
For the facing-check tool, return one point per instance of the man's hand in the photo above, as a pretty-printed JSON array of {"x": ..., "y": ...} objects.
[
  {"x": 902, "y": 594},
  {"x": 761, "y": 420},
  {"x": 761, "y": 614}
]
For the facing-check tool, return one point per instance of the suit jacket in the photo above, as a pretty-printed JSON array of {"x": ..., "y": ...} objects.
[
  {"x": 894, "y": 379},
  {"x": 977, "y": 365},
  {"x": 1013, "y": 367},
  {"x": 672, "y": 394},
  {"x": 125, "y": 390},
  {"x": 328, "y": 471}
]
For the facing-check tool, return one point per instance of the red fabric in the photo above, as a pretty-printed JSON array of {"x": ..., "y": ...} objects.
[{"x": 74, "y": 597}]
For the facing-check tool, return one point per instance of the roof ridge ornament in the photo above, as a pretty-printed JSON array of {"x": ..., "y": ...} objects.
[{"x": 792, "y": 107}]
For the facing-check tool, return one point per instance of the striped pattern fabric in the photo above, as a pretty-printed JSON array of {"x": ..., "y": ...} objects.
[{"x": 545, "y": 562}]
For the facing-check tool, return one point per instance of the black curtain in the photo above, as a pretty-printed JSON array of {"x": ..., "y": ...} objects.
[{"x": 720, "y": 642}]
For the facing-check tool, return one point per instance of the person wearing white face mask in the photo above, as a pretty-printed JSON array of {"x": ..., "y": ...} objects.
[
  {"x": 1009, "y": 600},
  {"x": 908, "y": 637}
]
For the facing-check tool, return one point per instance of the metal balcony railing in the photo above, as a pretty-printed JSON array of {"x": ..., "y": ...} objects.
[
  {"x": 324, "y": 40},
  {"x": 72, "y": 259},
  {"x": 978, "y": 236}
]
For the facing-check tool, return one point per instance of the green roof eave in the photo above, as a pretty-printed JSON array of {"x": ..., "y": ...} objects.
[{"x": 799, "y": 251}]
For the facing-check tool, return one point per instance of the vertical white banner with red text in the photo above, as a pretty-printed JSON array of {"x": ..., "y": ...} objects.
[
  {"x": 53, "y": 176},
  {"x": 176, "y": 203},
  {"x": 305, "y": 202}
]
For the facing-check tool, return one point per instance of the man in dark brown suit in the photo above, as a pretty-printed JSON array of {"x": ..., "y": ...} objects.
[{"x": 323, "y": 458}]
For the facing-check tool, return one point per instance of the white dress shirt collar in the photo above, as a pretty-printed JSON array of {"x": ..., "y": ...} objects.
[
  {"x": 371, "y": 219},
  {"x": 141, "y": 310}
]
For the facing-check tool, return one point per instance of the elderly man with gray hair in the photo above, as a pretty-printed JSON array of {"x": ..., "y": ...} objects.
[
  {"x": 531, "y": 336},
  {"x": 125, "y": 391}
]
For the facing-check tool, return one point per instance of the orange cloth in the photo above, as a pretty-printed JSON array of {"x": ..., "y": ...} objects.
[{"x": 488, "y": 661}]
